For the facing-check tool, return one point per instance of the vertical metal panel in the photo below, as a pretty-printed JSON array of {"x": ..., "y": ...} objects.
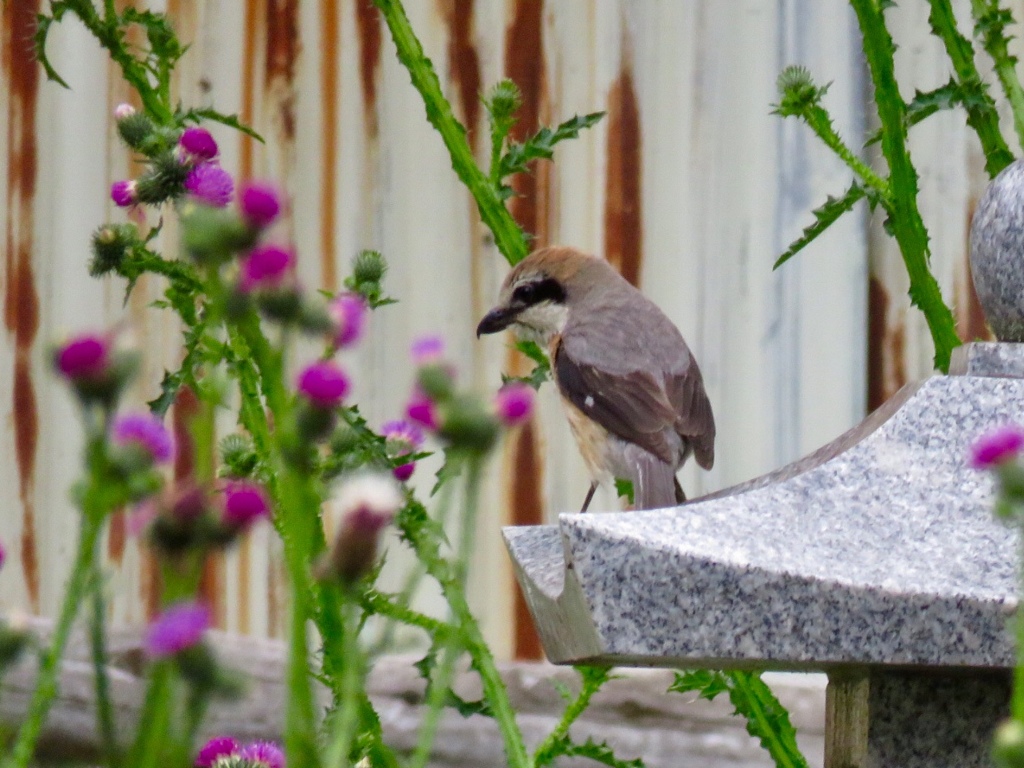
[{"x": 689, "y": 185}]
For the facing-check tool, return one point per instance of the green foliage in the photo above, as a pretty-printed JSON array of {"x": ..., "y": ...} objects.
[
  {"x": 624, "y": 489},
  {"x": 824, "y": 217},
  {"x": 767, "y": 720},
  {"x": 542, "y": 366},
  {"x": 539, "y": 146}
]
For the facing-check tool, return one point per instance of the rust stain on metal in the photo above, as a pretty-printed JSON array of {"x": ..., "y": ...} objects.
[
  {"x": 527, "y": 502},
  {"x": 248, "y": 110},
  {"x": 329, "y": 139},
  {"x": 623, "y": 212},
  {"x": 282, "y": 55},
  {"x": 524, "y": 65},
  {"x": 887, "y": 370},
  {"x": 464, "y": 63},
  {"x": 368, "y": 23},
  {"x": 971, "y": 324},
  {"x": 242, "y": 582},
  {"x": 117, "y": 536},
  {"x": 21, "y": 302}
]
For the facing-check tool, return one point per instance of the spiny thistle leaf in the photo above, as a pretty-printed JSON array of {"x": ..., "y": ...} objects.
[
  {"x": 232, "y": 121},
  {"x": 708, "y": 683},
  {"x": 541, "y": 145},
  {"x": 797, "y": 91},
  {"x": 43, "y": 23},
  {"x": 824, "y": 217},
  {"x": 598, "y": 752},
  {"x": 767, "y": 720}
]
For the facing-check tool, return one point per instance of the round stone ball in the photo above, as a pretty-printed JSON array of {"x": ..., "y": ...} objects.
[{"x": 997, "y": 253}]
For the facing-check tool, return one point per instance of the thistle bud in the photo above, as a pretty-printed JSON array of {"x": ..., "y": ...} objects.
[
  {"x": 466, "y": 424},
  {"x": 366, "y": 505},
  {"x": 110, "y": 244},
  {"x": 134, "y": 127}
]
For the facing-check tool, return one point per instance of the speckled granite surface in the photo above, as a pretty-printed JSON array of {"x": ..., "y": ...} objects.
[
  {"x": 933, "y": 721},
  {"x": 886, "y": 554},
  {"x": 997, "y": 252}
]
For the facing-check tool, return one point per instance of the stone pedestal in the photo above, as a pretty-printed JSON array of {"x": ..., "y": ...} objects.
[{"x": 876, "y": 559}]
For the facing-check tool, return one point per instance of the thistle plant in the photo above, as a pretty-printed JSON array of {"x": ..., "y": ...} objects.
[
  {"x": 897, "y": 193},
  {"x": 301, "y": 452}
]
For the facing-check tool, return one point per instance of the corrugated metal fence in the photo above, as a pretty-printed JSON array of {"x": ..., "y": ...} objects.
[{"x": 689, "y": 186}]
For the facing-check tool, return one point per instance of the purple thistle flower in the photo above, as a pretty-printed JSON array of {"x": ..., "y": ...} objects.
[
  {"x": 146, "y": 431},
  {"x": 403, "y": 437},
  {"x": 84, "y": 357},
  {"x": 348, "y": 310},
  {"x": 403, "y": 472},
  {"x": 210, "y": 184},
  {"x": 124, "y": 193},
  {"x": 244, "y": 504},
  {"x": 427, "y": 350},
  {"x": 198, "y": 144},
  {"x": 263, "y": 753},
  {"x": 513, "y": 403},
  {"x": 178, "y": 628},
  {"x": 123, "y": 110},
  {"x": 423, "y": 411},
  {"x": 266, "y": 267},
  {"x": 3, "y": 554},
  {"x": 324, "y": 384},
  {"x": 260, "y": 203},
  {"x": 216, "y": 748},
  {"x": 997, "y": 447}
]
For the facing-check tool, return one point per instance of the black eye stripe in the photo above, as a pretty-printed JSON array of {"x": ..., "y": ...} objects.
[{"x": 537, "y": 291}]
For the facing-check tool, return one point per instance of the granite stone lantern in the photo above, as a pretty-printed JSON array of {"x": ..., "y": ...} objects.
[{"x": 876, "y": 559}]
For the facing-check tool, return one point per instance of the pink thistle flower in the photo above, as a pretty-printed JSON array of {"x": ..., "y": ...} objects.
[
  {"x": 997, "y": 447},
  {"x": 427, "y": 350},
  {"x": 147, "y": 432},
  {"x": 210, "y": 184},
  {"x": 84, "y": 357},
  {"x": 403, "y": 472},
  {"x": 266, "y": 267},
  {"x": 3, "y": 554},
  {"x": 423, "y": 411},
  {"x": 324, "y": 384},
  {"x": 260, "y": 203},
  {"x": 178, "y": 628},
  {"x": 198, "y": 144},
  {"x": 263, "y": 753},
  {"x": 123, "y": 111},
  {"x": 403, "y": 438},
  {"x": 244, "y": 504},
  {"x": 513, "y": 403},
  {"x": 188, "y": 503},
  {"x": 348, "y": 311},
  {"x": 124, "y": 193},
  {"x": 216, "y": 748}
]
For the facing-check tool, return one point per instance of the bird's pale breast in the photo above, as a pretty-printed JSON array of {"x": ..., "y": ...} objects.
[{"x": 592, "y": 440}]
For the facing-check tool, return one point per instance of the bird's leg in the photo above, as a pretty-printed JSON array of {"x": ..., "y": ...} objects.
[
  {"x": 680, "y": 495},
  {"x": 590, "y": 495}
]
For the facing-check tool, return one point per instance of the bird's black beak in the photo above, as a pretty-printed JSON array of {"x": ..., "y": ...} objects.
[{"x": 496, "y": 320}]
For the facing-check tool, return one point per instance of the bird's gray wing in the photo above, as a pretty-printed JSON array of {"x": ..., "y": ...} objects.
[
  {"x": 694, "y": 419},
  {"x": 632, "y": 405}
]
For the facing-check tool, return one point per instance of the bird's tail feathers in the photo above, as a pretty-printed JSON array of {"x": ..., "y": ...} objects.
[{"x": 654, "y": 481}]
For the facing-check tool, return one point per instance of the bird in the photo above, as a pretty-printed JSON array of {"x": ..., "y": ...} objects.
[{"x": 631, "y": 389}]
